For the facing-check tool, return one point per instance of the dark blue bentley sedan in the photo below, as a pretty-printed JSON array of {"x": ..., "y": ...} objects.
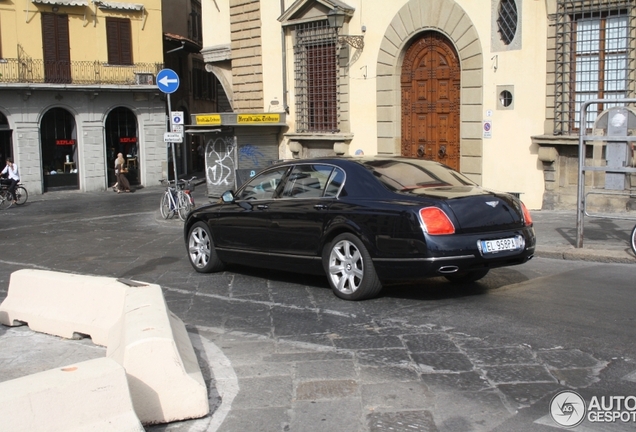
[{"x": 363, "y": 222}]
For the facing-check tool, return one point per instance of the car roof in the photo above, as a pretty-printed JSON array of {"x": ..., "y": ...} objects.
[{"x": 361, "y": 160}]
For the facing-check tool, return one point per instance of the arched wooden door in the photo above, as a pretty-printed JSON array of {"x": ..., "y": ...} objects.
[{"x": 430, "y": 100}]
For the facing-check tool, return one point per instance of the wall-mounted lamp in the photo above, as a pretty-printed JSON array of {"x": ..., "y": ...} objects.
[
  {"x": 55, "y": 9},
  {"x": 335, "y": 19}
]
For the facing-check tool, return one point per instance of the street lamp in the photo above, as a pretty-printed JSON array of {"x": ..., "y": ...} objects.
[{"x": 335, "y": 19}]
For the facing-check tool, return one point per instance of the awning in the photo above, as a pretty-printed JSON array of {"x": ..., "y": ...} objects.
[
  {"x": 62, "y": 2},
  {"x": 118, "y": 6},
  {"x": 188, "y": 44}
]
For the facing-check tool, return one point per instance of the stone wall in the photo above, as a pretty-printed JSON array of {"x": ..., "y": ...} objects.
[{"x": 247, "y": 61}]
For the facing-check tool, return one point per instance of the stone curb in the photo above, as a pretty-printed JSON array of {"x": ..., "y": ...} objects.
[{"x": 595, "y": 255}]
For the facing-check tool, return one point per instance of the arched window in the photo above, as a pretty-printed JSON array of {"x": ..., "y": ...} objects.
[
  {"x": 121, "y": 137},
  {"x": 58, "y": 139}
]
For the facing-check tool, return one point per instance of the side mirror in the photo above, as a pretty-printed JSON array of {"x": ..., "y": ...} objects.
[{"x": 227, "y": 197}]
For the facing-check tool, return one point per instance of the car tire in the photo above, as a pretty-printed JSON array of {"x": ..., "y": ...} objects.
[
  {"x": 201, "y": 252},
  {"x": 349, "y": 269},
  {"x": 468, "y": 276}
]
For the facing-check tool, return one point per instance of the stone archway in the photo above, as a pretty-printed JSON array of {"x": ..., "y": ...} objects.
[{"x": 449, "y": 19}]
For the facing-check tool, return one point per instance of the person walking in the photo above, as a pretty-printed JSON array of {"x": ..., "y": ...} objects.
[
  {"x": 120, "y": 171},
  {"x": 13, "y": 177}
]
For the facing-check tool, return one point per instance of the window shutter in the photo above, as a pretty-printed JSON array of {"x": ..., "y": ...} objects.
[
  {"x": 119, "y": 41},
  {"x": 56, "y": 48},
  {"x": 63, "y": 43},
  {"x": 49, "y": 39},
  {"x": 125, "y": 42}
]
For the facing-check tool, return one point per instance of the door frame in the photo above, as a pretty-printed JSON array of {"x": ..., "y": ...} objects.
[
  {"x": 396, "y": 41},
  {"x": 420, "y": 47}
]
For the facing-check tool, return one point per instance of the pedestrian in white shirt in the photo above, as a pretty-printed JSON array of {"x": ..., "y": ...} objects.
[{"x": 13, "y": 176}]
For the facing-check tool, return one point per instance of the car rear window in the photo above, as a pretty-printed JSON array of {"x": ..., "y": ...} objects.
[{"x": 402, "y": 176}]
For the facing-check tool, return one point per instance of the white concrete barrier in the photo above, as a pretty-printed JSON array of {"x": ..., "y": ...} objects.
[
  {"x": 153, "y": 346},
  {"x": 132, "y": 321},
  {"x": 91, "y": 395},
  {"x": 62, "y": 304}
]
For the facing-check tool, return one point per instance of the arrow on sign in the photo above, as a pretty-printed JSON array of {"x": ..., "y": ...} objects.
[{"x": 165, "y": 81}]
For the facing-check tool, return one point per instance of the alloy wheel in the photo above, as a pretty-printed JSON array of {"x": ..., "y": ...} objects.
[
  {"x": 199, "y": 248},
  {"x": 346, "y": 267}
]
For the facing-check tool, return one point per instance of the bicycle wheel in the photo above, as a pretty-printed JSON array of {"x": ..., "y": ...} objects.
[
  {"x": 633, "y": 240},
  {"x": 184, "y": 206},
  {"x": 165, "y": 207},
  {"x": 21, "y": 195},
  {"x": 5, "y": 200}
]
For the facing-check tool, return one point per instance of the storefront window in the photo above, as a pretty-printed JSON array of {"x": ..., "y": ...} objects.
[
  {"x": 121, "y": 137},
  {"x": 58, "y": 138},
  {"x": 5, "y": 140}
]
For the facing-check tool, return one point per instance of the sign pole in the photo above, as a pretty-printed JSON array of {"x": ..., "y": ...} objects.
[
  {"x": 174, "y": 159},
  {"x": 168, "y": 82}
]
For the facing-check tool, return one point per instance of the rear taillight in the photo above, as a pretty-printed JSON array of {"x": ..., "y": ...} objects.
[
  {"x": 526, "y": 215},
  {"x": 435, "y": 221}
]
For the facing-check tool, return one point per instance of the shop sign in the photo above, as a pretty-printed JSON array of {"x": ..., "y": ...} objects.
[
  {"x": 208, "y": 119},
  {"x": 257, "y": 118},
  {"x": 64, "y": 142},
  {"x": 124, "y": 140}
]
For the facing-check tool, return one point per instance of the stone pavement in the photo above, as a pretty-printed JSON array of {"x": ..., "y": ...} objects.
[
  {"x": 604, "y": 239},
  {"x": 321, "y": 381}
]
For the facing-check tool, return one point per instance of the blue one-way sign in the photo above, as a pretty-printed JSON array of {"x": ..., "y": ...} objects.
[{"x": 167, "y": 81}]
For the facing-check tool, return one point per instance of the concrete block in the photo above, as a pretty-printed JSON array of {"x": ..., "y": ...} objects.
[
  {"x": 91, "y": 395},
  {"x": 133, "y": 322},
  {"x": 152, "y": 344},
  {"x": 62, "y": 304}
]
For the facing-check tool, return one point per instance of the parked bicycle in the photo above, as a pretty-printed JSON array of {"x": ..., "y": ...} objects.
[
  {"x": 6, "y": 200},
  {"x": 177, "y": 199},
  {"x": 633, "y": 240}
]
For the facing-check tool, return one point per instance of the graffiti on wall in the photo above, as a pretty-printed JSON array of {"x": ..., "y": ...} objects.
[
  {"x": 219, "y": 165},
  {"x": 250, "y": 152}
]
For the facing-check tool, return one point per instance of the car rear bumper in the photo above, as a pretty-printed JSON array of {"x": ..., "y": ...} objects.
[{"x": 455, "y": 254}]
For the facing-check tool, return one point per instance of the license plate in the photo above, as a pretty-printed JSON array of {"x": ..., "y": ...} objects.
[{"x": 493, "y": 246}]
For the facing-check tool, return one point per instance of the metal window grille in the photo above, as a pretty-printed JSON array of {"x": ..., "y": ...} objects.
[
  {"x": 594, "y": 58},
  {"x": 507, "y": 20},
  {"x": 316, "y": 77}
]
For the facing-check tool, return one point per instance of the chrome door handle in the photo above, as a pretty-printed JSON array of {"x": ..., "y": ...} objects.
[
  {"x": 320, "y": 207},
  {"x": 262, "y": 206}
]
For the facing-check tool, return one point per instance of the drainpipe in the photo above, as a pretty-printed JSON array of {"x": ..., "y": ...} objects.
[{"x": 282, "y": 38}]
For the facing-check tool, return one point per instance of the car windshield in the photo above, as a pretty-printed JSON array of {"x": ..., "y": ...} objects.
[{"x": 403, "y": 175}]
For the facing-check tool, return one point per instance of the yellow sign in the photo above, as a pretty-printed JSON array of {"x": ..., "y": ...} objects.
[
  {"x": 208, "y": 119},
  {"x": 257, "y": 118}
]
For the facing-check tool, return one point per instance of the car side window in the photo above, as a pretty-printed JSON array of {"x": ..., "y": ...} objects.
[
  {"x": 335, "y": 183},
  {"x": 262, "y": 186},
  {"x": 307, "y": 181}
]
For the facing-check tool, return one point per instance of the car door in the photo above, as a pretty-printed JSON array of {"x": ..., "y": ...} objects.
[
  {"x": 298, "y": 216},
  {"x": 244, "y": 224}
]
